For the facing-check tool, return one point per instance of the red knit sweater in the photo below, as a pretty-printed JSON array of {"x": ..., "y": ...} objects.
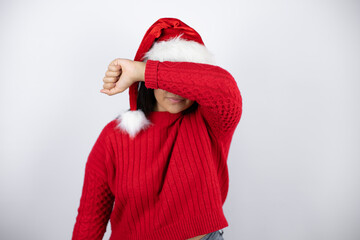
[{"x": 171, "y": 180}]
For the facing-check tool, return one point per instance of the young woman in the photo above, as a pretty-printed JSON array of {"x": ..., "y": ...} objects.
[{"x": 159, "y": 170}]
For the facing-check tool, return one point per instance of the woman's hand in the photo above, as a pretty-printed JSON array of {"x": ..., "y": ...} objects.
[{"x": 121, "y": 74}]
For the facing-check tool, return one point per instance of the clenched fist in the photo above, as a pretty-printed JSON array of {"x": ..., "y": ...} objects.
[{"x": 121, "y": 74}]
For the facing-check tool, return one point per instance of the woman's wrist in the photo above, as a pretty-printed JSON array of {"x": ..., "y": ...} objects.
[{"x": 140, "y": 70}]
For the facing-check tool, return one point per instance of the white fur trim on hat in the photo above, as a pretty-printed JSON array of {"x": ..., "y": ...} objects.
[
  {"x": 178, "y": 49},
  {"x": 132, "y": 121}
]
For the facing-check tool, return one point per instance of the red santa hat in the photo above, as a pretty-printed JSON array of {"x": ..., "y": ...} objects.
[{"x": 168, "y": 39}]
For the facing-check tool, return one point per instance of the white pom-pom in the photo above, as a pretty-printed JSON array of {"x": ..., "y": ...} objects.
[{"x": 132, "y": 121}]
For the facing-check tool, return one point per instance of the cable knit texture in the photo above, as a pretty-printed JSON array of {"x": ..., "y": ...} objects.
[{"x": 171, "y": 180}]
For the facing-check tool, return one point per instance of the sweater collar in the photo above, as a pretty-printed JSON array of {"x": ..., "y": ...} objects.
[{"x": 163, "y": 118}]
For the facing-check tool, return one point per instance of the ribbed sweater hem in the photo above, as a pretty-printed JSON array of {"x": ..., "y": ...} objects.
[{"x": 209, "y": 221}]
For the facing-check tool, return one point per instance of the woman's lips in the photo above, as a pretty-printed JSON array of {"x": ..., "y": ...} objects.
[{"x": 175, "y": 100}]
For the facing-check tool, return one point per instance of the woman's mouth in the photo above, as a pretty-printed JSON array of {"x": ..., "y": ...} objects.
[{"x": 175, "y": 100}]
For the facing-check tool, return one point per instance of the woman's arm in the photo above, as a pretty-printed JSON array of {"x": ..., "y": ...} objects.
[
  {"x": 212, "y": 87},
  {"x": 97, "y": 199}
]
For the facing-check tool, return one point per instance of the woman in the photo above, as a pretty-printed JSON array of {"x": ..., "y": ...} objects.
[{"x": 158, "y": 170}]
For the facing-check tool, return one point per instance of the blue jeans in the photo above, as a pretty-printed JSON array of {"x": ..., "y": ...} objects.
[{"x": 217, "y": 235}]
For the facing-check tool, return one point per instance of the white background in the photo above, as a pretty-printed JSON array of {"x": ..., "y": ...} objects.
[{"x": 294, "y": 160}]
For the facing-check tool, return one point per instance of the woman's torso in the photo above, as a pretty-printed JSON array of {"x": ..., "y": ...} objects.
[{"x": 169, "y": 172}]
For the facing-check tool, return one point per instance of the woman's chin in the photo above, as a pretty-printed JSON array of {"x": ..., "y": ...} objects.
[{"x": 175, "y": 109}]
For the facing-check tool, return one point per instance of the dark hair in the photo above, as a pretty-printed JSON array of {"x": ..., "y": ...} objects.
[{"x": 146, "y": 100}]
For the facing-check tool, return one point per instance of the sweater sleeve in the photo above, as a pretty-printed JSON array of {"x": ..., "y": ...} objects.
[
  {"x": 97, "y": 199},
  {"x": 212, "y": 87}
]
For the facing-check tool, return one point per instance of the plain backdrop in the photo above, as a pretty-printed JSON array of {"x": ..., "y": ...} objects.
[{"x": 294, "y": 161}]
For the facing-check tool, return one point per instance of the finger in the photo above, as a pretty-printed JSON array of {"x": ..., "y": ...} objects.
[
  {"x": 112, "y": 74},
  {"x": 110, "y": 79},
  {"x": 108, "y": 85},
  {"x": 106, "y": 91},
  {"x": 114, "y": 68},
  {"x": 110, "y": 92},
  {"x": 116, "y": 62},
  {"x": 113, "y": 91}
]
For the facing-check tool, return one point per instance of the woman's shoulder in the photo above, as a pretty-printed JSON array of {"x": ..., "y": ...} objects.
[
  {"x": 110, "y": 127},
  {"x": 108, "y": 130}
]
